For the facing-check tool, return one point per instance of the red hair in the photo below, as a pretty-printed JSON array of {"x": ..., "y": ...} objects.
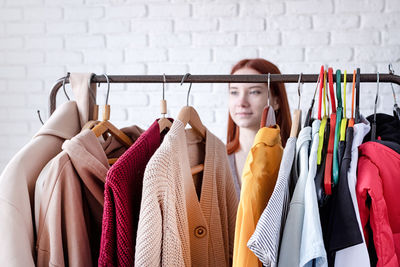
[{"x": 278, "y": 90}]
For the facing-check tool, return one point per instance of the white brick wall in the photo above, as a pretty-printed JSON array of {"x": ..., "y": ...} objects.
[{"x": 40, "y": 40}]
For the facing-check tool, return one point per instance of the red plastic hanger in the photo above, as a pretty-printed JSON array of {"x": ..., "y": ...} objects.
[{"x": 332, "y": 123}]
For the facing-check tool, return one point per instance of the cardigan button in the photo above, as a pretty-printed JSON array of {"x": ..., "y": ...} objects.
[{"x": 200, "y": 231}]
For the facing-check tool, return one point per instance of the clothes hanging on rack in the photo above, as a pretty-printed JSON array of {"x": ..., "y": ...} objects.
[
  {"x": 356, "y": 255},
  {"x": 75, "y": 181},
  {"x": 122, "y": 198},
  {"x": 17, "y": 181},
  {"x": 312, "y": 249},
  {"x": 176, "y": 226},
  {"x": 264, "y": 242},
  {"x": 291, "y": 238},
  {"x": 259, "y": 177}
]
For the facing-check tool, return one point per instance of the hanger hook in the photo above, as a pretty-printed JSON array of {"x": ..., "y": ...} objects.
[
  {"x": 268, "y": 88},
  {"x": 163, "y": 86},
  {"x": 377, "y": 94},
  {"x": 63, "y": 84},
  {"x": 391, "y": 71},
  {"x": 298, "y": 89},
  {"x": 190, "y": 87},
  {"x": 108, "y": 86},
  {"x": 40, "y": 117}
]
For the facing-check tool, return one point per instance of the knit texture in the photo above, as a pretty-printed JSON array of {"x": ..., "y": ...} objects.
[
  {"x": 122, "y": 197},
  {"x": 164, "y": 237}
]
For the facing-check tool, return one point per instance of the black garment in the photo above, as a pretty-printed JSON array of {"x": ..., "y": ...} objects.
[
  {"x": 344, "y": 231},
  {"x": 387, "y": 128},
  {"x": 394, "y": 146},
  {"x": 341, "y": 150},
  {"x": 319, "y": 178}
]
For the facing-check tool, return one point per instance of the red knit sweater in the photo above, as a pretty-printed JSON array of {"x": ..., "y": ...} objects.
[{"x": 122, "y": 198}]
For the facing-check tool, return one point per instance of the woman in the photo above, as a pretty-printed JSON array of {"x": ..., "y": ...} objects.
[{"x": 246, "y": 105}]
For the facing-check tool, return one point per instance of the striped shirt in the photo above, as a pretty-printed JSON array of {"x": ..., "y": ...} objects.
[{"x": 265, "y": 241}]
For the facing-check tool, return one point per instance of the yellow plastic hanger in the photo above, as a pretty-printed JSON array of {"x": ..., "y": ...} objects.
[
  {"x": 188, "y": 115},
  {"x": 343, "y": 123},
  {"x": 105, "y": 126},
  {"x": 163, "y": 122},
  {"x": 324, "y": 121}
]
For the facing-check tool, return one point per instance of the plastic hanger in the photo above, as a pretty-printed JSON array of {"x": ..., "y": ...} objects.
[
  {"x": 353, "y": 92},
  {"x": 373, "y": 125},
  {"x": 339, "y": 110},
  {"x": 268, "y": 116},
  {"x": 294, "y": 131},
  {"x": 396, "y": 108},
  {"x": 188, "y": 115},
  {"x": 308, "y": 120},
  {"x": 357, "y": 111},
  {"x": 324, "y": 120},
  {"x": 329, "y": 155},
  {"x": 163, "y": 122},
  {"x": 343, "y": 123},
  {"x": 105, "y": 126}
]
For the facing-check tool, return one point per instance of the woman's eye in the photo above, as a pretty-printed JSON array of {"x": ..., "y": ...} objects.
[
  {"x": 233, "y": 92},
  {"x": 255, "y": 92}
]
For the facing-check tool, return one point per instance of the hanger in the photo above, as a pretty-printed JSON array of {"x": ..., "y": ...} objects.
[
  {"x": 308, "y": 120},
  {"x": 92, "y": 123},
  {"x": 343, "y": 123},
  {"x": 353, "y": 92},
  {"x": 396, "y": 109},
  {"x": 105, "y": 126},
  {"x": 188, "y": 115},
  {"x": 268, "y": 116},
  {"x": 329, "y": 155},
  {"x": 373, "y": 126},
  {"x": 163, "y": 122},
  {"x": 339, "y": 110},
  {"x": 324, "y": 120},
  {"x": 294, "y": 131},
  {"x": 357, "y": 111},
  {"x": 321, "y": 86}
]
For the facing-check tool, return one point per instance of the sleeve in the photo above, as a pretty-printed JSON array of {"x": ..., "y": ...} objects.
[
  {"x": 108, "y": 233},
  {"x": 374, "y": 213},
  {"x": 149, "y": 234}
]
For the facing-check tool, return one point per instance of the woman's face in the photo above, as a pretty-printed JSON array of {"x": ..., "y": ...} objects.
[{"x": 247, "y": 101}]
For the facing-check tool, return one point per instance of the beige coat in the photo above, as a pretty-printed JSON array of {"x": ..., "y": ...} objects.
[
  {"x": 17, "y": 181},
  {"x": 72, "y": 198},
  {"x": 175, "y": 228}
]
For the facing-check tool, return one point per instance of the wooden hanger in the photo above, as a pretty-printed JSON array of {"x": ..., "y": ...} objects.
[
  {"x": 105, "y": 126},
  {"x": 296, "y": 121},
  {"x": 188, "y": 115},
  {"x": 268, "y": 116},
  {"x": 163, "y": 122}
]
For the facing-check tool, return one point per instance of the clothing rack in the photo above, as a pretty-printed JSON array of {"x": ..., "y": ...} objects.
[{"x": 259, "y": 78}]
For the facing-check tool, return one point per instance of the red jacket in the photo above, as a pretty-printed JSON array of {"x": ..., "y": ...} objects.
[{"x": 378, "y": 196}]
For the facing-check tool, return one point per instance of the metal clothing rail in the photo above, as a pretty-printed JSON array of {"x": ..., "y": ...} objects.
[{"x": 286, "y": 78}]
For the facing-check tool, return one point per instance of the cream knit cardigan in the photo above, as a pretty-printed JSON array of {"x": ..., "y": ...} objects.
[{"x": 170, "y": 211}]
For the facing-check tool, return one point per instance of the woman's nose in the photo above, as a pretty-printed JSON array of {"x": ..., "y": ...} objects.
[{"x": 243, "y": 101}]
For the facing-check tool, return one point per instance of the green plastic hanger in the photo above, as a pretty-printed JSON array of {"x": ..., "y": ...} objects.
[
  {"x": 324, "y": 120},
  {"x": 339, "y": 110},
  {"x": 343, "y": 123}
]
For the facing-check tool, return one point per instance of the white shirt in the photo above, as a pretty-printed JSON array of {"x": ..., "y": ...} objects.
[
  {"x": 312, "y": 242},
  {"x": 355, "y": 255}
]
